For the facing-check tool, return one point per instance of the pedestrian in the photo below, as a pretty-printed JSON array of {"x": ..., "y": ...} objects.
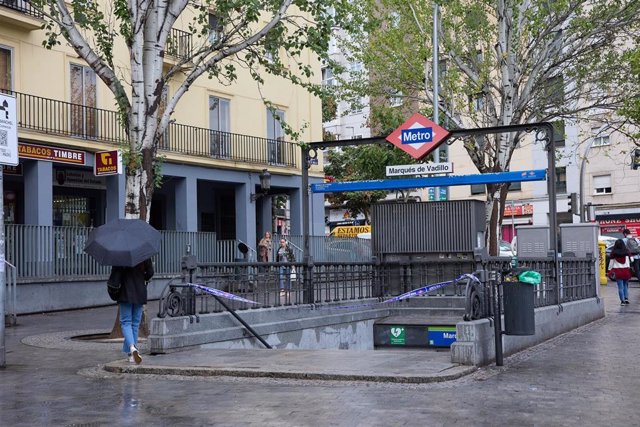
[
  {"x": 634, "y": 251},
  {"x": 620, "y": 266},
  {"x": 264, "y": 248},
  {"x": 285, "y": 254},
  {"x": 132, "y": 298}
]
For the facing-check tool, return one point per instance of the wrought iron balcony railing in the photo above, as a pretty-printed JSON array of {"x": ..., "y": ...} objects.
[
  {"x": 21, "y": 6},
  {"x": 94, "y": 124},
  {"x": 178, "y": 44}
]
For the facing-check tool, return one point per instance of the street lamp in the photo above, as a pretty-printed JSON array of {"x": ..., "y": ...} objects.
[{"x": 265, "y": 185}]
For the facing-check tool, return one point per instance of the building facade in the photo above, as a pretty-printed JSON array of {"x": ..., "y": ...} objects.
[{"x": 222, "y": 138}]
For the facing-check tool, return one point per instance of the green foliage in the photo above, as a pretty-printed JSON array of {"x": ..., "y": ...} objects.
[
  {"x": 359, "y": 163},
  {"x": 329, "y": 108}
]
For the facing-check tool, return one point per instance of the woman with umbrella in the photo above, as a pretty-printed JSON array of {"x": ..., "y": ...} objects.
[
  {"x": 127, "y": 245},
  {"x": 132, "y": 298}
]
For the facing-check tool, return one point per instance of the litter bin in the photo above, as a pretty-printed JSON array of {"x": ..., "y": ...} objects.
[{"x": 518, "y": 298}]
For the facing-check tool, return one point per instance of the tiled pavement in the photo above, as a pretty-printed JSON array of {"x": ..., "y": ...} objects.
[{"x": 586, "y": 377}]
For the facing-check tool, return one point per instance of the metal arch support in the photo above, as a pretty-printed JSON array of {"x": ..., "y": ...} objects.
[{"x": 544, "y": 133}]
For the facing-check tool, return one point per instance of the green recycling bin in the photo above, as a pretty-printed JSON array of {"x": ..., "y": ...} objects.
[{"x": 518, "y": 299}]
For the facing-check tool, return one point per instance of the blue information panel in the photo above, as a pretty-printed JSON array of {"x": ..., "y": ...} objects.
[{"x": 441, "y": 336}]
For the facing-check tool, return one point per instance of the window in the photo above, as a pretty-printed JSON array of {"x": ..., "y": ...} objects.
[
  {"x": 83, "y": 98},
  {"x": 515, "y": 186},
  {"x": 553, "y": 92},
  {"x": 561, "y": 179},
  {"x": 396, "y": 99},
  {"x": 478, "y": 188},
  {"x": 476, "y": 102},
  {"x": 275, "y": 134},
  {"x": 215, "y": 29},
  {"x": 558, "y": 133},
  {"x": 5, "y": 69},
  {"x": 602, "y": 184},
  {"x": 600, "y": 137},
  {"x": 219, "y": 138},
  {"x": 327, "y": 77}
]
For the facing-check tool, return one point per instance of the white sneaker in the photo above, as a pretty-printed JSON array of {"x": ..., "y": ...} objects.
[
  {"x": 135, "y": 354},
  {"x": 131, "y": 359}
]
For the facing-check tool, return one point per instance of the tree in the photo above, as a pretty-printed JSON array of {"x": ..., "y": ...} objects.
[
  {"x": 503, "y": 62},
  {"x": 358, "y": 163},
  {"x": 228, "y": 35}
]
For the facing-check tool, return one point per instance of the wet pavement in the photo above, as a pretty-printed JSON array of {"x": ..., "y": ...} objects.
[{"x": 584, "y": 377}]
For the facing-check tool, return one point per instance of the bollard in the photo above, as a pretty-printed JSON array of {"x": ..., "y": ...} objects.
[{"x": 602, "y": 248}]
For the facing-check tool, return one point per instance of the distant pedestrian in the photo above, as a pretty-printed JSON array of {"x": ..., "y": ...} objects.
[
  {"x": 132, "y": 298},
  {"x": 634, "y": 251},
  {"x": 620, "y": 266},
  {"x": 264, "y": 248},
  {"x": 285, "y": 254}
]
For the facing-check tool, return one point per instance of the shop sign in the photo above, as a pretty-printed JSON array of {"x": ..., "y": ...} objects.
[
  {"x": 518, "y": 210},
  {"x": 8, "y": 130},
  {"x": 77, "y": 179},
  {"x": 51, "y": 154},
  {"x": 107, "y": 163},
  {"x": 617, "y": 225},
  {"x": 398, "y": 335},
  {"x": 13, "y": 170}
]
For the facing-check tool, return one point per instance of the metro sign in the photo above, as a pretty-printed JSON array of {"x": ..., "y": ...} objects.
[{"x": 418, "y": 136}]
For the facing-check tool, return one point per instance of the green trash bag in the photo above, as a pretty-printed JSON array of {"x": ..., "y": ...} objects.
[{"x": 530, "y": 277}]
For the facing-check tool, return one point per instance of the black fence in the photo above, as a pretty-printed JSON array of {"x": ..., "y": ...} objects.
[
  {"x": 286, "y": 284},
  {"x": 22, "y": 6}
]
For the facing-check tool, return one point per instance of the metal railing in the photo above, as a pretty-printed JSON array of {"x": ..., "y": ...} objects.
[
  {"x": 327, "y": 248},
  {"x": 45, "y": 252},
  {"x": 62, "y": 118},
  {"x": 21, "y": 6},
  {"x": 179, "y": 44}
]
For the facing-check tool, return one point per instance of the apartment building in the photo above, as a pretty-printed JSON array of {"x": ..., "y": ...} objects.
[{"x": 223, "y": 137}]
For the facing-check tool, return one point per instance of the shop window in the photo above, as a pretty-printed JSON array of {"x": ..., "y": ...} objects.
[
  {"x": 83, "y": 100},
  {"x": 219, "y": 124},
  {"x": 602, "y": 184},
  {"x": 5, "y": 69},
  {"x": 71, "y": 211},
  {"x": 275, "y": 135}
]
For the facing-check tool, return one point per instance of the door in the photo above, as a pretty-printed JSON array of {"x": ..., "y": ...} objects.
[
  {"x": 219, "y": 137},
  {"x": 83, "y": 101},
  {"x": 275, "y": 134}
]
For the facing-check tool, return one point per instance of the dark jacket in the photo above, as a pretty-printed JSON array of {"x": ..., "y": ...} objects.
[
  {"x": 133, "y": 289},
  {"x": 285, "y": 254}
]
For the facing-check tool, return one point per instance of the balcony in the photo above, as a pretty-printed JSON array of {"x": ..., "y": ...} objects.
[
  {"x": 179, "y": 45},
  {"x": 60, "y": 118},
  {"x": 20, "y": 13}
]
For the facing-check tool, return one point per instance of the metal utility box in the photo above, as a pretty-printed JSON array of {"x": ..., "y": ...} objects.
[
  {"x": 580, "y": 239},
  {"x": 455, "y": 226},
  {"x": 532, "y": 241}
]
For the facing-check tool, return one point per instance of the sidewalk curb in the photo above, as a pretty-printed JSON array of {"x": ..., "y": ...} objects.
[{"x": 122, "y": 367}]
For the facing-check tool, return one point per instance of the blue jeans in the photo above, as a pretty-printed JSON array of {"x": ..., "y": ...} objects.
[
  {"x": 130, "y": 316},
  {"x": 285, "y": 278},
  {"x": 623, "y": 289}
]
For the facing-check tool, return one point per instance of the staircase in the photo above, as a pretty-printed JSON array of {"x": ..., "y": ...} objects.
[{"x": 423, "y": 322}]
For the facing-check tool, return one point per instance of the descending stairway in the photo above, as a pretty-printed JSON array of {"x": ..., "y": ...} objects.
[{"x": 424, "y": 322}]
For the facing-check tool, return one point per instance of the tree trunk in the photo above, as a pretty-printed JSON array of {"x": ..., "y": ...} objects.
[{"x": 496, "y": 196}]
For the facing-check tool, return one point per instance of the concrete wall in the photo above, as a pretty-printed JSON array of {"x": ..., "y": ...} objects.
[
  {"x": 475, "y": 340},
  {"x": 282, "y": 327},
  {"x": 42, "y": 297}
]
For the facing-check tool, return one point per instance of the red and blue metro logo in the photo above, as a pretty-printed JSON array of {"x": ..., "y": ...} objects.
[{"x": 418, "y": 136}]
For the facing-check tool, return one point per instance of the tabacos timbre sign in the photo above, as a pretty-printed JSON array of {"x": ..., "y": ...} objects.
[
  {"x": 107, "y": 163},
  {"x": 51, "y": 154},
  {"x": 418, "y": 136}
]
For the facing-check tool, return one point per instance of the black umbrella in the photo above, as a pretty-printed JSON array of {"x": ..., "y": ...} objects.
[{"x": 123, "y": 242}]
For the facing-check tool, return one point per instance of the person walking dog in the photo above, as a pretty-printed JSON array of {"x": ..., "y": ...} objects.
[{"x": 132, "y": 298}]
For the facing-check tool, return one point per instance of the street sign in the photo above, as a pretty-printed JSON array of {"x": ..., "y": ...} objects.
[
  {"x": 420, "y": 169},
  {"x": 8, "y": 130},
  {"x": 418, "y": 136}
]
